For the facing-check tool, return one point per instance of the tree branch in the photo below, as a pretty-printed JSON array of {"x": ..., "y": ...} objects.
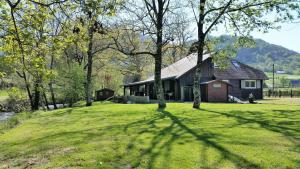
[
  {"x": 48, "y": 4},
  {"x": 218, "y": 17}
]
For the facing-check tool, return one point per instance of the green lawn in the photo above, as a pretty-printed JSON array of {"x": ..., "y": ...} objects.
[
  {"x": 280, "y": 101},
  {"x": 138, "y": 136}
]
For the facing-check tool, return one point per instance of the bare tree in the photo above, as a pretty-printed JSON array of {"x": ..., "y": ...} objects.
[{"x": 151, "y": 18}]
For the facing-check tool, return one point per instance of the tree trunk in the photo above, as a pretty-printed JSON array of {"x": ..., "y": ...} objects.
[
  {"x": 197, "y": 77},
  {"x": 158, "y": 84},
  {"x": 37, "y": 94},
  {"x": 88, "y": 86},
  {"x": 52, "y": 95},
  {"x": 51, "y": 84},
  {"x": 196, "y": 88},
  {"x": 200, "y": 49},
  {"x": 24, "y": 76},
  {"x": 46, "y": 100},
  {"x": 28, "y": 90},
  {"x": 158, "y": 57}
]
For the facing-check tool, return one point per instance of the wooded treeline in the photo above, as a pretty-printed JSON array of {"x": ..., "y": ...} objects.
[{"x": 62, "y": 50}]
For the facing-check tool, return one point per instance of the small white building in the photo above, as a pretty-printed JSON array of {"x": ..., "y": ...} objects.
[{"x": 280, "y": 72}]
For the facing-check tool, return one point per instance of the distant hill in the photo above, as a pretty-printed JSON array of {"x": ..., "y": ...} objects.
[{"x": 265, "y": 54}]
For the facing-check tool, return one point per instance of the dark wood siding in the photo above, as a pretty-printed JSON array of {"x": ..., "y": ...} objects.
[
  {"x": 177, "y": 90},
  {"x": 256, "y": 92},
  {"x": 235, "y": 89},
  {"x": 186, "y": 80},
  {"x": 206, "y": 74}
]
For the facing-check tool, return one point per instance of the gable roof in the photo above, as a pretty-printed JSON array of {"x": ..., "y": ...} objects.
[
  {"x": 180, "y": 67},
  {"x": 238, "y": 70},
  {"x": 235, "y": 70},
  {"x": 176, "y": 69}
]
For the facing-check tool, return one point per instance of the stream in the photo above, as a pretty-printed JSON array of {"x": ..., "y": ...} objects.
[{"x": 6, "y": 115}]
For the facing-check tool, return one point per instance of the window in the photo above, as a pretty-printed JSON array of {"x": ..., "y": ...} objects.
[
  {"x": 236, "y": 64},
  {"x": 249, "y": 84}
]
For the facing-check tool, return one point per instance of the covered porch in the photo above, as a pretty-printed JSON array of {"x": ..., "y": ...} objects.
[{"x": 170, "y": 87}]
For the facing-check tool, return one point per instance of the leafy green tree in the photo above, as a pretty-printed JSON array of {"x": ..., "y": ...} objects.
[
  {"x": 71, "y": 83},
  {"x": 28, "y": 42},
  {"x": 152, "y": 20},
  {"x": 92, "y": 19},
  {"x": 240, "y": 17}
]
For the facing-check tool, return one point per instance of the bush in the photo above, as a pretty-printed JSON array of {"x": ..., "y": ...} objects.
[
  {"x": 73, "y": 84},
  {"x": 17, "y": 101}
]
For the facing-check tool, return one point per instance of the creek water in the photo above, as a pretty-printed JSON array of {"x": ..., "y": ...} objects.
[{"x": 6, "y": 115}]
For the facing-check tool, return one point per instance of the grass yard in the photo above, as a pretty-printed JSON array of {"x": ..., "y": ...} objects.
[
  {"x": 138, "y": 136},
  {"x": 280, "y": 101}
]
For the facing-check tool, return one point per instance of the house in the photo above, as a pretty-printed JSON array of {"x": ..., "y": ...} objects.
[
  {"x": 104, "y": 94},
  {"x": 238, "y": 80},
  {"x": 295, "y": 83}
]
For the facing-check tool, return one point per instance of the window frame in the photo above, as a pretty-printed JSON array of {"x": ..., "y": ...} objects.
[{"x": 250, "y": 83}]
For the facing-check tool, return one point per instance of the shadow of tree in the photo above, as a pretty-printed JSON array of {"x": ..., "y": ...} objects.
[
  {"x": 163, "y": 139},
  {"x": 282, "y": 123},
  {"x": 163, "y": 129}
]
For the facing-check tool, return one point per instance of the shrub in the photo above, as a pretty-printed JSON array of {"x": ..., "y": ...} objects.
[
  {"x": 73, "y": 85},
  {"x": 17, "y": 101}
]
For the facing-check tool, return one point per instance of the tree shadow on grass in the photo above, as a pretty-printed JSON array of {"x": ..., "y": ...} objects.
[
  {"x": 164, "y": 129},
  {"x": 278, "y": 121},
  {"x": 283, "y": 123},
  {"x": 161, "y": 143}
]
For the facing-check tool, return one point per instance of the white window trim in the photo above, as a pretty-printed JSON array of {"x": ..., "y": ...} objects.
[{"x": 250, "y": 82}]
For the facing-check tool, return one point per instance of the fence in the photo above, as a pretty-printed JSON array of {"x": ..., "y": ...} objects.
[{"x": 282, "y": 93}]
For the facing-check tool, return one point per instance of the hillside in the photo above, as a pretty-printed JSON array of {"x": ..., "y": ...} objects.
[{"x": 264, "y": 55}]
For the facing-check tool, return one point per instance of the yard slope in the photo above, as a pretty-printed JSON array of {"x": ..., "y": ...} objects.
[{"x": 139, "y": 136}]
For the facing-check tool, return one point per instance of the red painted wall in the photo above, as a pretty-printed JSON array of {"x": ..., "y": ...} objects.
[{"x": 217, "y": 94}]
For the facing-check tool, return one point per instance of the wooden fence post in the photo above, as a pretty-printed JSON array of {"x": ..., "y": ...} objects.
[{"x": 291, "y": 93}]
